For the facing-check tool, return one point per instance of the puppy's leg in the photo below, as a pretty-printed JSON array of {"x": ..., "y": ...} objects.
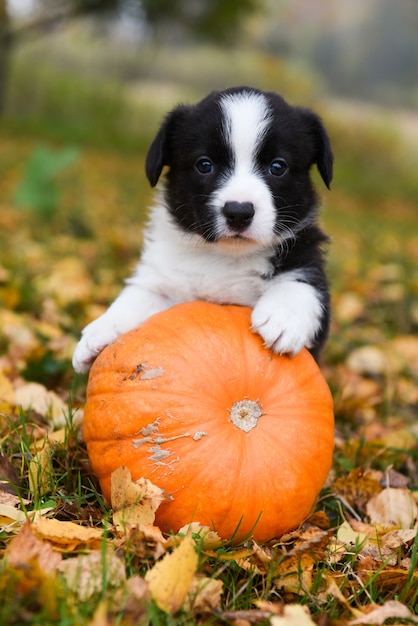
[
  {"x": 132, "y": 307},
  {"x": 290, "y": 315}
]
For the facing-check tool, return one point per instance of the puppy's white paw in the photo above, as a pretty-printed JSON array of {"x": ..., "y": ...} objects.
[
  {"x": 288, "y": 317},
  {"x": 95, "y": 337}
]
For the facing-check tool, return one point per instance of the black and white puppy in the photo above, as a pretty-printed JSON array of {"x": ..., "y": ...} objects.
[{"x": 234, "y": 223}]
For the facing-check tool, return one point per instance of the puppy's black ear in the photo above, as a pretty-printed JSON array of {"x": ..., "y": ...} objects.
[
  {"x": 323, "y": 154},
  {"x": 159, "y": 153}
]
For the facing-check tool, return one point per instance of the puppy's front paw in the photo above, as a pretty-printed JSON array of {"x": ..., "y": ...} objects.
[
  {"x": 289, "y": 323},
  {"x": 95, "y": 337}
]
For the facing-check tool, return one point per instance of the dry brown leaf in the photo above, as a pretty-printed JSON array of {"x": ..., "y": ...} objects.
[
  {"x": 294, "y": 574},
  {"x": 357, "y": 488},
  {"x": 390, "y": 610},
  {"x": 86, "y": 574},
  {"x": 9, "y": 478},
  {"x": 67, "y": 536},
  {"x": 398, "y": 538},
  {"x": 204, "y": 595},
  {"x": 393, "y": 507},
  {"x": 26, "y": 547},
  {"x": 392, "y": 478},
  {"x": 359, "y": 396},
  {"x": 171, "y": 578},
  {"x": 9, "y": 498},
  {"x": 310, "y": 539},
  {"x": 134, "y": 502},
  {"x": 379, "y": 554}
]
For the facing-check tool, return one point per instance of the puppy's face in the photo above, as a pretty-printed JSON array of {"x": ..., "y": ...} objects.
[{"x": 239, "y": 165}]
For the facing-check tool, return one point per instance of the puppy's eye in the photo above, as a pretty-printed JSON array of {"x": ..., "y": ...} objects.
[
  {"x": 278, "y": 167},
  {"x": 204, "y": 165}
]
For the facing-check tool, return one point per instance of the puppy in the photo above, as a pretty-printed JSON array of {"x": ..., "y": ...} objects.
[{"x": 235, "y": 222}]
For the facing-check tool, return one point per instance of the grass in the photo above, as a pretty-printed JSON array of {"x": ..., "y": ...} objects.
[{"x": 90, "y": 240}]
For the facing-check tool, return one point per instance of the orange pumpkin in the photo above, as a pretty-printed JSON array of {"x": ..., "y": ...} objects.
[{"x": 240, "y": 439}]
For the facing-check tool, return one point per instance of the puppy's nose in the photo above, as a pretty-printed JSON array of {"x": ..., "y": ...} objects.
[{"x": 238, "y": 214}]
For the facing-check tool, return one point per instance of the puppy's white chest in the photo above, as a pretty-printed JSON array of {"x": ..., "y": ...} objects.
[
  {"x": 222, "y": 281},
  {"x": 184, "y": 269}
]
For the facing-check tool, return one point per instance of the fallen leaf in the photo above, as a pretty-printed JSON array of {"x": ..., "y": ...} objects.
[
  {"x": 91, "y": 573},
  {"x": 7, "y": 394},
  {"x": 349, "y": 307},
  {"x": 9, "y": 515},
  {"x": 67, "y": 536},
  {"x": 134, "y": 502},
  {"x": 405, "y": 350},
  {"x": 71, "y": 272},
  {"x": 368, "y": 360},
  {"x": 9, "y": 478},
  {"x": 392, "y": 478},
  {"x": 294, "y": 574},
  {"x": 26, "y": 547},
  {"x": 350, "y": 537},
  {"x": 204, "y": 595},
  {"x": 357, "y": 488},
  {"x": 390, "y": 610},
  {"x": 9, "y": 498},
  {"x": 293, "y": 615},
  {"x": 36, "y": 397},
  {"x": 171, "y": 579},
  {"x": 397, "y": 538},
  {"x": 393, "y": 507},
  {"x": 380, "y": 554},
  {"x": 209, "y": 538},
  {"x": 40, "y": 472}
]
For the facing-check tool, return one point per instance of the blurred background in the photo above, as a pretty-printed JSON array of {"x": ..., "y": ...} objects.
[{"x": 84, "y": 85}]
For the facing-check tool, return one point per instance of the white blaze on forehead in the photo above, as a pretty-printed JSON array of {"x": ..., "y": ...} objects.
[{"x": 247, "y": 116}]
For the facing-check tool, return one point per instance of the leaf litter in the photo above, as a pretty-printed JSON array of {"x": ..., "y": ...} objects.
[{"x": 58, "y": 539}]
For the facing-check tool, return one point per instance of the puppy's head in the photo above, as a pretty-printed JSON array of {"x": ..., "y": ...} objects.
[{"x": 239, "y": 164}]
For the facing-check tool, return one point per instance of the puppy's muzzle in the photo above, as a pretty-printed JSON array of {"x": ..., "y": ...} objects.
[{"x": 238, "y": 215}]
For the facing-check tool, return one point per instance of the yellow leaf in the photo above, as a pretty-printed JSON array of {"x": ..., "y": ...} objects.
[
  {"x": 348, "y": 536},
  {"x": 26, "y": 548},
  {"x": 7, "y": 394},
  {"x": 40, "y": 472},
  {"x": 171, "y": 578},
  {"x": 71, "y": 272},
  {"x": 134, "y": 502},
  {"x": 67, "y": 536}
]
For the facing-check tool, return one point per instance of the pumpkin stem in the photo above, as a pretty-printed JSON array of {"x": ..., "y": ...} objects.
[{"x": 245, "y": 414}]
